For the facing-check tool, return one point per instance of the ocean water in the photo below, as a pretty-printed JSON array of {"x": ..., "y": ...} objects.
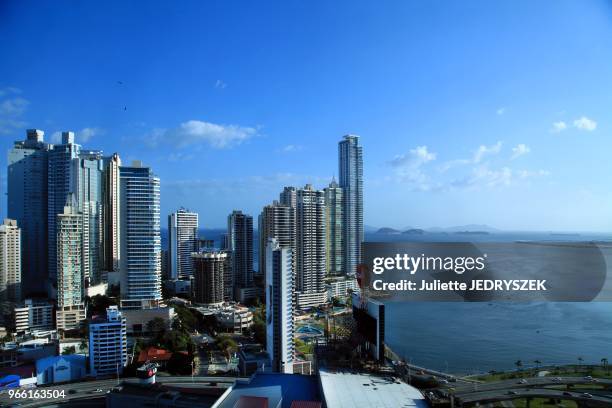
[{"x": 478, "y": 337}]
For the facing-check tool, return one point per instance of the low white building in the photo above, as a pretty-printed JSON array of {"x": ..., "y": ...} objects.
[
  {"x": 340, "y": 288},
  {"x": 33, "y": 315},
  {"x": 108, "y": 344},
  {"x": 235, "y": 318}
]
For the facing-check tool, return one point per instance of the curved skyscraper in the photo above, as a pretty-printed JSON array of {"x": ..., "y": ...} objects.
[{"x": 350, "y": 170}]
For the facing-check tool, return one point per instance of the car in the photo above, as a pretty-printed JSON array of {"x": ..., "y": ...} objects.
[
  {"x": 522, "y": 381},
  {"x": 588, "y": 378},
  {"x": 567, "y": 394},
  {"x": 443, "y": 381},
  {"x": 511, "y": 392},
  {"x": 556, "y": 379},
  {"x": 98, "y": 390},
  {"x": 586, "y": 395}
]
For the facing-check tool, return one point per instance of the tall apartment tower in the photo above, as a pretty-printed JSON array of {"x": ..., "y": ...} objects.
[
  {"x": 70, "y": 303},
  {"x": 208, "y": 277},
  {"x": 240, "y": 244},
  {"x": 88, "y": 172},
  {"x": 27, "y": 204},
  {"x": 182, "y": 241},
  {"x": 279, "y": 306},
  {"x": 350, "y": 166},
  {"x": 333, "y": 229},
  {"x": 276, "y": 221},
  {"x": 288, "y": 196},
  {"x": 140, "y": 263},
  {"x": 108, "y": 344},
  {"x": 111, "y": 214},
  {"x": 310, "y": 247},
  {"x": 61, "y": 180},
  {"x": 10, "y": 262}
]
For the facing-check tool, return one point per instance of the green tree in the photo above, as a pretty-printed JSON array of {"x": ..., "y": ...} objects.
[
  {"x": 226, "y": 344},
  {"x": 518, "y": 364},
  {"x": 156, "y": 326},
  {"x": 69, "y": 350}
]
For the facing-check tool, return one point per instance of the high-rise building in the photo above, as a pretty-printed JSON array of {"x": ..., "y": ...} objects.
[
  {"x": 88, "y": 171},
  {"x": 333, "y": 229},
  {"x": 182, "y": 241},
  {"x": 60, "y": 183},
  {"x": 108, "y": 344},
  {"x": 288, "y": 196},
  {"x": 111, "y": 214},
  {"x": 208, "y": 277},
  {"x": 240, "y": 245},
  {"x": 70, "y": 289},
  {"x": 350, "y": 165},
  {"x": 140, "y": 264},
  {"x": 10, "y": 261},
  {"x": 33, "y": 315},
  {"x": 276, "y": 221},
  {"x": 310, "y": 247},
  {"x": 279, "y": 306},
  {"x": 27, "y": 204}
]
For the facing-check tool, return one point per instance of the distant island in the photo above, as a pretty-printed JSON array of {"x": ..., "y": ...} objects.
[
  {"x": 471, "y": 232},
  {"x": 414, "y": 231},
  {"x": 387, "y": 230}
]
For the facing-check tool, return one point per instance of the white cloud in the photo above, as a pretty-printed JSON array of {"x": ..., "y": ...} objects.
[
  {"x": 195, "y": 132},
  {"x": 87, "y": 133},
  {"x": 483, "y": 176},
  {"x": 519, "y": 150},
  {"x": 219, "y": 84},
  {"x": 408, "y": 166},
  {"x": 484, "y": 151},
  {"x": 291, "y": 148},
  {"x": 11, "y": 110},
  {"x": 585, "y": 123},
  {"x": 13, "y": 106},
  {"x": 501, "y": 111},
  {"x": 558, "y": 127}
]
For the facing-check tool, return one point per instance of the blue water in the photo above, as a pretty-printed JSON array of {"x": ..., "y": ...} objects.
[{"x": 479, "y": 337}]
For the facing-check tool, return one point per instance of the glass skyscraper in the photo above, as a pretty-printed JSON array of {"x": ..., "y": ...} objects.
[
  {"x": 240, "y": 244},
  {"x": 350, "y": 169},
  {"x": 182, "y": 242},
  {"x": 140, "y": 263}
]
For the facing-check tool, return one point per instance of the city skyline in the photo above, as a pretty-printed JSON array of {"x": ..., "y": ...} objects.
[{"x": 473, "y": 111}]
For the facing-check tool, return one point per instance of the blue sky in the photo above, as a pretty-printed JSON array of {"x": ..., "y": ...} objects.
[{"x": 482, "y": 112}]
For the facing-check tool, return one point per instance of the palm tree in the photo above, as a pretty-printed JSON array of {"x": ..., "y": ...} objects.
[
  {"x": 537, "y": 363},
  {"x": 518, "y": 364},
  {"x": 604, "y": 363},
  {"x": 580, "y": 360}
]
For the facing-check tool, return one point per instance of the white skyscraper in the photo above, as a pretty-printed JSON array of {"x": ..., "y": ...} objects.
[
  {"x": 70, "y": 305},
  {"x": 310, "y": 247},
  {"x": 108, "y": 344},
  {"x": 350, "y": 166},
  {"x": 111, "y": 214},
  {"x": 140, "y": 265},
  {"x": 182, "y": 241},
  {"x": 276, "y": 221},
  {"x": 10, "y": 261},
  {"x": 279, "y": 306}
]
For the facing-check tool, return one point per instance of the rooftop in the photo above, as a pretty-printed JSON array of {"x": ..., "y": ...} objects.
[{"x": 345, "y": 389}]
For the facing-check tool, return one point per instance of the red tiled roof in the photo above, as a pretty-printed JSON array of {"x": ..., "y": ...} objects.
[{"x": 154, "y": 354}]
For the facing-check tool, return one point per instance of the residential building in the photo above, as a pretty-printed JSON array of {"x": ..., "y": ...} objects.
[
  {"x": 342, "y": 287},
  {"x": 10, "y": 262},
  {"x": 60, "y": 183},
  {"x": 70, "y": 286},
  {"x": 288, "y": 196},
  {"x": 33, "y": 315},
  {"x": 240, "y": 244},
  {"x": 276, "y": 221},
  {"x": 334, "y": 240},
  {"x": 182, "y": 241},
  {"x": 108, "y": 344},
  {"x": 137, "y": 320},
  {"x": 279, "y": 278},
  {"x": 350, "y": 166},
  {"x": 88, "y": 171},
  {"x": 111, "y": 213},
  {"x": 310, "y": 248},
  {"x": 140, "y": 262},
  {"x": 208, "y": 273},
  {"x": 27, "y": 204},
  {"x": 235, "y": 318}
]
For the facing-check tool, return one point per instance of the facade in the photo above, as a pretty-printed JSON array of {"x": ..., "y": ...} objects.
[
  {"x": 341, "y": 288},
  {"x": 288, "y": 196},
  {"x": 235, "y": 318},
  {"x": 310, "y": 247},
  {"x": 70, "y": 303},
  {"x": 240, "y": 244},
  {"x": 182, "y": 241},
  {"x": 279, "y": 306},
  {"x": 333, "y": 229},
  {"x": 276, "y": 221},
  {"x": 140, "y": 262},
  {"x": 60, "y": 183},
  {"x": 88, "y": 171},
  {"x": 10, "y": 261},
  {"x": 111, "y": 214},
  {"x": 61, "y": 369},
  {"x": 108, "y": 344},
  {"x": 208, "y": 273},
  {"x": 27, "y": 204},
  {"x": 33, "y": 315},
  {"x": 350, "y": 168},
  {"x": 136, "y": 320}
]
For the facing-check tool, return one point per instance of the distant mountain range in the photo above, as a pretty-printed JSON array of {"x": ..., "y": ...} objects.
[{"x": 459, "y": 229}]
